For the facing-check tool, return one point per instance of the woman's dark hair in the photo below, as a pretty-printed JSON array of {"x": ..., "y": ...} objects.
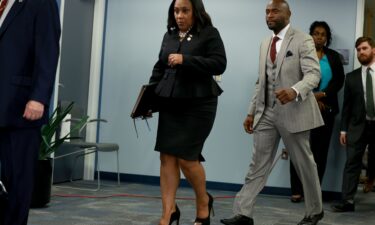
[
  {"x": 325, "y": 26},
  {"x": 201, "y": 17}
]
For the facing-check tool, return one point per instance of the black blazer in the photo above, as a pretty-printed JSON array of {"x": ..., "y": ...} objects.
[
  {"x": 29, "y": 50},
  {"x": 354, "y": 107},
  {"x": 203, "y": 56},
  {"x": 337, "y": 81}
]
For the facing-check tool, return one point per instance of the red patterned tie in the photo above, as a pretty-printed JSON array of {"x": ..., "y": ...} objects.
[
  {"x": 3, "y": 4},
  {"x": 273, "y": 48}
]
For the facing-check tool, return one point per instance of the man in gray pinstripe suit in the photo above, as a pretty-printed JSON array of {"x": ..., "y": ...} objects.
[{"x": 283, "y": 107}]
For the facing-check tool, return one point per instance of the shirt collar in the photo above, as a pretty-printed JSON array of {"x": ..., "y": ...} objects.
[
  {"x": 282, "y": 33},
  {"x": 364, "y": 68}
]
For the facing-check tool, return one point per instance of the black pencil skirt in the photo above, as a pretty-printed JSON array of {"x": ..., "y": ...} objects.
[{"x": 184, "y": 125}]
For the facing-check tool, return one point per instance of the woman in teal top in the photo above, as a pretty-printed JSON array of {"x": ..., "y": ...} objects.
[
  {"x": 331, "y": 82},
  {"x": 326, "y": 73}
]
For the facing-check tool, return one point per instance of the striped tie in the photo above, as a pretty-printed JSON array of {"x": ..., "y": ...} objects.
[{"x": 3, "y": 4}]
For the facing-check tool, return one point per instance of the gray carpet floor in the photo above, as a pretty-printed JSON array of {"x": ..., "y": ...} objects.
[{"x": 139, "y": 204}]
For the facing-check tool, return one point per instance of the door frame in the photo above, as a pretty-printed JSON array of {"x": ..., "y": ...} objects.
[
  {"x": 95, "y": 77},
  {"x": 95, "y": 80},
  {"x": 360, "y": 20}
]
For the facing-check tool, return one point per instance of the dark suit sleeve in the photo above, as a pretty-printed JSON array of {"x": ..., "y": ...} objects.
[
  {"x": 46, "y": 44},
  {"x": 159, "y": 67},
  {"x": 214, "y": 60},
  {"x": 347, "y": 104},
  {"x": 338, "y": 75}
]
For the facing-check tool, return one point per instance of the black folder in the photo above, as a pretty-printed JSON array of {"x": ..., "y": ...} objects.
[{"x": 146, "y": 103}]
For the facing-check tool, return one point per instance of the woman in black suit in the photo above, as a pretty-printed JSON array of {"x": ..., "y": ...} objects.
[
  {"x": 331, "y": 82},
  {"x": 192, "y": 52}
]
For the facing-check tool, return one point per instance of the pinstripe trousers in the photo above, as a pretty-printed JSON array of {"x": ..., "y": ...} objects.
[{"x": 267, "y": 135}]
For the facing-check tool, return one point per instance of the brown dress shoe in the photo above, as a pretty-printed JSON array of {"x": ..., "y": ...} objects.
[{"x": 369, "y": 184}]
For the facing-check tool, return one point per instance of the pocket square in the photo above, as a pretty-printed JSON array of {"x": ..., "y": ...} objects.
[{"x": 289, "y": 53}]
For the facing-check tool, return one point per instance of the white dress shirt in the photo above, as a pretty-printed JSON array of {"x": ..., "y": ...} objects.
[
  {"x": 7, "y": 9},
  {"x": 281, "y": 36}
]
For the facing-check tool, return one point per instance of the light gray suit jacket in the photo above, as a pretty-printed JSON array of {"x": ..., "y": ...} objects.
[{"x": 298, "y": 67}]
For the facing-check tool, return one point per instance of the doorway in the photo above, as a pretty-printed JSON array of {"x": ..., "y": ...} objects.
[
  {"x": 74, "y": 70},
  {"x": 369, "y": 23}
]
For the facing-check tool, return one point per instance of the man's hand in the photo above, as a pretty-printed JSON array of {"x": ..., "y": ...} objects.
[
  {"x": 33, "y": 111},
  {"x": 286, "y": 95},
  {"x": 319, "y": 95},
  {"x": 322, "y": 106},
  {"x": 248, "y": 124},
  {"x": 343, "y": 139}
]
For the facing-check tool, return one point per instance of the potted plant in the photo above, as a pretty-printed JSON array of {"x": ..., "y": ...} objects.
[{"x": 50, "y": 143}]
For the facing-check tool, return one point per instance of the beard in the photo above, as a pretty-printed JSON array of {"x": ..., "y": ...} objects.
[
  {"x": 276, "y": 26},
  {"x": 365, "y": 59}
]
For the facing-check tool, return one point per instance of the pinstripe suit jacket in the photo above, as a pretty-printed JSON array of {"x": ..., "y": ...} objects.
[{"x": 298, "y": 67}]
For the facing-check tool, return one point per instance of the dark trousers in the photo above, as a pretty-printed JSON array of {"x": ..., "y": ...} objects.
[
  {"x": 371, "y": 159},
  {"x": 18, "y": 154},
  {"x": 320, "y": 139},
  {"x": 353, "y": 165}
]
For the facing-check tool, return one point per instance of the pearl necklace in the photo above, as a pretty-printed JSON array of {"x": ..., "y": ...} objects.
[{"x": 182, "y": 35}]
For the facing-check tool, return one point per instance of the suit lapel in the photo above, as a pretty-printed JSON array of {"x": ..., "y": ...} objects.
[
  {"x": 282, "y": 53},
  {"x": 17, "y": 6},
  {"x": 359, "y": 83}
]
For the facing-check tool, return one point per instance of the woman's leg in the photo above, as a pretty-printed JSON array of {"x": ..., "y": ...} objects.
[
  {"x": 320, "y": 139},
  {"x": 169, "y": 181},
  {"x": 194, "y": 173}
]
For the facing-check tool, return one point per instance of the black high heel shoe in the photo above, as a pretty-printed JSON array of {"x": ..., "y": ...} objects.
[
  {"x": 206, "y": 221},
  {"x": 175, "y": 216}
]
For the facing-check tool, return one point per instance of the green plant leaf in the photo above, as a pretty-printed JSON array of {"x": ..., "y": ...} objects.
[{"x": 51, "y": 143}]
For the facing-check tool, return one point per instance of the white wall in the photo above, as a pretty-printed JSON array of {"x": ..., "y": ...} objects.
[{"x": 134, "y": 30}]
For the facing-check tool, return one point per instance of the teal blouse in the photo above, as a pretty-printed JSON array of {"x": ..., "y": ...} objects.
[{"x": 326, "y": 73}]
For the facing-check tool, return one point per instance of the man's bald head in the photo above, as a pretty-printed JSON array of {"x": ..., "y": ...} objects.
[
  {"x": 284, "y": 4},
  {"x": 277, "y": 15}
]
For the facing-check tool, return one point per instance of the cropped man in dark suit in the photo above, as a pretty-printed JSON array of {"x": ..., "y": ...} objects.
[
  {"x": 358, "y": 122},
  {"x": 288, "y": 72},
  {"x": 29, "y": 49}
]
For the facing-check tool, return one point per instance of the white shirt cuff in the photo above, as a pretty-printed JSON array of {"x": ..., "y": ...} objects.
[{"x": 297, "y": 99}]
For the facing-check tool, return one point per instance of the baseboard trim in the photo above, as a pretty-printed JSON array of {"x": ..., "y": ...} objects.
[{"x": 155, "y": 180}]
